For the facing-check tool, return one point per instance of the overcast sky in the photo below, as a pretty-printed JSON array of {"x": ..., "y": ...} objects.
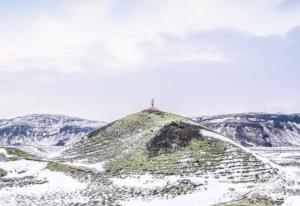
[{"x": 104, "y": 59}]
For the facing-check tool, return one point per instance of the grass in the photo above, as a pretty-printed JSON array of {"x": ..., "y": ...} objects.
[
  {"x": 124, "y": 145},
  {"x": 2, "y": 173},
  {"x": 203, "y": 154},
  {"x": 60, "y": 167},
  {"x": 18, "y": 153},
  {"x": 115, "y": 139}
]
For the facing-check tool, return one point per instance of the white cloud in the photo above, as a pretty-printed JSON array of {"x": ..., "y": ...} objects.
[{"x": 91, "y": 36}]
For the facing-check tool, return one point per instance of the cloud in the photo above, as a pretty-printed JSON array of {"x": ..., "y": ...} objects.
[
  {"x": 194, "y": 56},
  {"x": 259, "y": 73},
  {"x": 105, "y": 37}
]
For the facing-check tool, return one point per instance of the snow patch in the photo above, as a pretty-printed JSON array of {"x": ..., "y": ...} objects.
[
  {"x": 53, "y": 182},
  {"x": 22, "y": 168},
  {"x": 99, "y": 167},
  {"x": 144, "y": 181},
  {"x": 214, "y": 192},
  {"x": 292, "y": 201}
]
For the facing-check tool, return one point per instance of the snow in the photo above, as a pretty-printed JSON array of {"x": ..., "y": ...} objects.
[
  {"x": 3, "y": 153},
  {"x": 144, "y": 181},
  {"x": 289, "y": 156},
  {"x": 287, "y": 134},
  {"x": 208, "y": 133},
  {"x": 57, "y": 182},
  {"x": 25, "y": 168},
  {"x": 43, "y": 129},
  {"x": 212, "y": 193},
  {"x": 220, "y": 120},
  {"x": 292, "y": 201},
  {"x": 98, "y": 167},
  {"x": 22, "y": 168},
  {"x": 226, "y": 139},
  {"x": 253, "y": 119},
  {"x": 48, "y": 152},
  {"x": 53, "y": 183}
]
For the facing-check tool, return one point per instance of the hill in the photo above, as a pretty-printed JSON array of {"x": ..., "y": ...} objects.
[
  {"x": 173, "y": 149},
  {"x": 45, "y": 129},
  {"x": 257, "y": 129}
]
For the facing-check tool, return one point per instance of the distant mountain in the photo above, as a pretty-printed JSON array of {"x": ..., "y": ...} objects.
[
  {"x": 257, "y": 129},
  {"x": 45, "y": 129}
]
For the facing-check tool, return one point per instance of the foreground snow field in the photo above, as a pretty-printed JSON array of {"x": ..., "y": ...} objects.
[
  {"x": 29, "y": 182},
  {"x": 289, "y": 159}
]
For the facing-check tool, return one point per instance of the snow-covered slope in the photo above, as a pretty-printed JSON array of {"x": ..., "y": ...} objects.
[
  {"x": 257, "y": 129},
  {"x": 45, "y": 129}
]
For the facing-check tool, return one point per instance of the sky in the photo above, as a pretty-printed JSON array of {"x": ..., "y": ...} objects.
[{"x": 105, "y": 59}]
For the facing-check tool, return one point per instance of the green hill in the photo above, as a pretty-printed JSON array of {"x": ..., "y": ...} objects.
[{"x": 161, "y": 143}]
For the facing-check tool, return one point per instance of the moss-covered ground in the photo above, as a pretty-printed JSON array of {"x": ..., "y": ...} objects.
[
  {"x": 60, "y": 167},
  {"x": 162, "y": 143},
  {"x": 200, "y": 154},
  {"x": 115, "y": 139},
  {"x": 18, "y": 153},
  {"x": 2, "y": 173}
]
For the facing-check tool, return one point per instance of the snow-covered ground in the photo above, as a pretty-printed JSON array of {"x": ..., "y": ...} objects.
[
  {"x": 27, "y": 182},
  {"x": 292, "y": 201},
  {"x": 97, "y": 167},
  {"x": 212, "y": 193},
  {"x": 47, "y": 152},
  {"x": 3, "y": 153},
  {"x": 289, "y": 159}
]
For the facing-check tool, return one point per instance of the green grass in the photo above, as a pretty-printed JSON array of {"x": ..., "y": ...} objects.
[
  {"x": 18, "y": 153},
  {"x": 124, "y": 145},
  {"x": 2, "y": 173},
  {"x": 111, "y": 141},
  {"x": 203, "y": 154},
  {"x": 60, "y": 167}
]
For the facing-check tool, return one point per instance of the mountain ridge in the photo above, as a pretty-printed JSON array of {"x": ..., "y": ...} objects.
[
  {"x": 257, "y": 129},
  {"x": 45, "y": 129}
]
